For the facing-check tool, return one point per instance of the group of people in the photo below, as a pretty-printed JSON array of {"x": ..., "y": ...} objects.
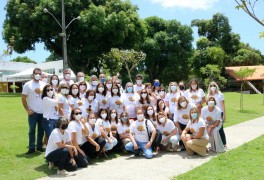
[{"x": 83, "y": 120}]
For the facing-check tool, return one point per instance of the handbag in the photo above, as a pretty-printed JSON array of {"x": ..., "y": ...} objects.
[{"x": 158, "y": 137}]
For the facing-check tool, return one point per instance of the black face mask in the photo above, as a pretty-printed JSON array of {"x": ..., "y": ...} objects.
[
  {"x": 64, "y": 126},
  {"x": 182, "y": 87}
]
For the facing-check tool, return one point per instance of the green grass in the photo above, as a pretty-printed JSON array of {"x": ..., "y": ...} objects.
[
  {"x": 14, "y": 134},
  {"x": 244, "y": 162}
]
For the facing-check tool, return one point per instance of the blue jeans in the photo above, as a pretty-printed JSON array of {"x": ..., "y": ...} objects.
[
  {"x": 141, "y": 145},
  {"x": 33, "y": 120},
  {"x": 49, "y": 125}
]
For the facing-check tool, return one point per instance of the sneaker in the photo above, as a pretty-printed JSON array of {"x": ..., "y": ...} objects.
[
  {"x": 30, "y": 151},
  {"x": 40, "y": 150},
  {"x": 225, "y": 147},
  {"x": 51, "y": 165},
  {"x": 175, "y": 149},
  {"x": 62, "y": 172}
]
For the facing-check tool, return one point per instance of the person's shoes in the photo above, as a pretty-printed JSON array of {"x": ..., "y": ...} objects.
[
  {"x": 167, "y": 147},
  {"x": 40, "y": 150},
  {"x": 175, "y": 149},
  {"x": 62, "y": 172},
  {"x": 30, "y": 151},
  {"x": 225, "y": 147},
  {"x": 183, "y": 148},
  {"x": 51, "y": 165}
]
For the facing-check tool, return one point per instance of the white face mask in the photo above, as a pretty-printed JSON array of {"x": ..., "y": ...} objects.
[
  {"x": 54, "y": 81},
  {"x": 90, "y": 98},
  {"x": 213, "y": 88},
  {"x": 115, "y": 91},
  {"x": 139, "y": 82},
  {"x": 78, "y": 117},
  {"x": 140, "y": 117},
  {"x": 37, "y": 77},
  {"x": 100, "y": 89},
  {"x": 150, "y": 112},
  {"x": 113, "y": 115},
  {"x": 92, "y": 121},
  {"x": 211, "y": 103},
  {"x": 183, "y": 103},
  {"x": 103, "y": 115},
  {"x": 64, "y": 91},
  {"x": 144, "y": 95},
  {"x": 161, "y": 93},
  {"x": 162, "y": 120},
  {"x": 68, "y": 76},
  {"x": 50, "y": 93},
  {"x": 194, "y": 86},
  {"x": 94, "y": 83},
  {"x": 108, "y": 86},
  {"x": 75, "y": 91},
  {"x": 45, "y": 80},
  {"x": 82, "y": 87},
  {"x": 81, "y": 79}
]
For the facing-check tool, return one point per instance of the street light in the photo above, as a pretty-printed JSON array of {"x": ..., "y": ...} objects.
[{"x": 63, "y": 33}]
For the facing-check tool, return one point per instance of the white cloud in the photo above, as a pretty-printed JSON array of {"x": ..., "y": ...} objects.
[{"x": 192, "y": 4}]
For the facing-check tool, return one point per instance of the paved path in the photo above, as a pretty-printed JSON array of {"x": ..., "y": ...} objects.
[{"x": 164, "y": 165}]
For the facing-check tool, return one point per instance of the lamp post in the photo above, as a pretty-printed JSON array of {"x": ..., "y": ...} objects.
[{"x": 63, "y": 32}]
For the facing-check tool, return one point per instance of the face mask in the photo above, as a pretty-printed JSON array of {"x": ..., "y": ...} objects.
[
  {"x": 108, "y": 86},
  {"x": 67, "y": 76},
  {"x": 194, "y": 86},
  {"x": 54, "y": 81},
  {"x": 115, "y": 91},
  {"x": 140, "y": 117},
  {"x": 139, "y": 82},
  {"x": 92, "y": 121},
  {"x": 78, "y": 117},
  {"x": 129, "y": 89},
  {"x": 162, "y": 105},
  {"x": 194, "y": 115},
  {"x": 100, "y": 89},
  {"x": 182, "y": 87},
  {"x": 144, "y": 95},
  {"x": 81, "y": 79},
  {"x": 45, "y": 80},
  {"x": 50, "y": 94},
  {"x": 102, "y": 80},
  {"x": 103, "y": 115},
  {"x": 75, "y": 91},
  {"x": 113, "y": 115},
  {"x": 213, "y": 88},
  {"x": 150, "y": 112},
  {"x": 90, "y": 98},
  {"x": 124, "y": 119},
  {"x": 156, "y": 84},
  {"x": 64, "y": 91},
  {"x": 94, "y": 83},
  {"x": 211, "y": 103},
  {"x": 64, "y": 126},
  {"x": 162, "y": 120},
  {"x": 37, "y": 77},
  {"x": 173, "y": 88},
  {"x": 161, "y": 93},
  {"x": 183, "y": 103},
  {"x": 82, "y": 87}
]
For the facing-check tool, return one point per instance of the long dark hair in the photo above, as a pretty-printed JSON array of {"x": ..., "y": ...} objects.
[
  {"x": 72, "y": 113},
  {"x": 158, "y": 109},
  {"x": 147, "y": 115},
  {"x": 118, "y": 93},
  {"x": 116, "y": 118},
  {"x": 99, "y": 114},
  {"x": 105, "y": 88},
  {"x": 70, "y": 91},
  {"x": 50, "y": 80},
  {"x": 44, "y": 92},
  {"x": 141, "y": 98}
]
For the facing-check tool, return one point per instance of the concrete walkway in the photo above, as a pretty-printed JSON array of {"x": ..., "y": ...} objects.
[{"x": 164, "y": 165}]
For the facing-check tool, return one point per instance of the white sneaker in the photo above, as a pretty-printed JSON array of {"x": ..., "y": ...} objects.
[
  {"x": 51, "y": 165},
  {"x": 62, "y": 172}
]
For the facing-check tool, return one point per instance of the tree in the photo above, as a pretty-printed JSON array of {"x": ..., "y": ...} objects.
[
  {"x": 24, "y": 59},
  {"x": 53, "y": 57},
  {"x": 9, "y": 50},
  {"x": 246, "y": 57},
  {"x": 103, "y": 25},
  {"x": 243, "y": 73}
]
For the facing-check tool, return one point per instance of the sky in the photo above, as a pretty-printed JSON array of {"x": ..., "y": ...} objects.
[{"x": 183, "y": 11}]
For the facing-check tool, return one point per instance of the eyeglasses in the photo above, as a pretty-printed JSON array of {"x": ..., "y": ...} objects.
[
  {"x": 49, "y": 90},
  {"x": 78, "y": 113}
]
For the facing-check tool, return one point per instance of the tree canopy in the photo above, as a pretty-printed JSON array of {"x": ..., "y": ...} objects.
[{"x": 24, "y": 59}]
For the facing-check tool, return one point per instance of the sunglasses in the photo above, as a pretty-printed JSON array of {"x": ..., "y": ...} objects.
[
  {"x": 78, "y": 113},
  {"x": 49, "y": 90}
]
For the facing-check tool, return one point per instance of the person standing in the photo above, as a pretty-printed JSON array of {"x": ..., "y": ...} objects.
[
  {"x": 67, "y": 77},
  {"x": 32, "y": 102},
  {"x": 138, "y": 86}
]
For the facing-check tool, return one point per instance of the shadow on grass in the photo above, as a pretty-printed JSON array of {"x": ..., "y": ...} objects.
[
  {"x": 35, "y": 154},
  {"x": 247, "y": 111},
  {"x": 10, "y": 95},
  {"x": 44, "y": 168}
]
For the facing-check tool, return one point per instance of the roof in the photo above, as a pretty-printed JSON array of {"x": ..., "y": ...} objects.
[{"x": 258, "y": 75}]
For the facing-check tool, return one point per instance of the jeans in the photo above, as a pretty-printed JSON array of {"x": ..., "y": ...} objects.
[
  {"x": 141, "y": 145},
  {"x": 49, "y": 125},
  {"x": 33, "y": 120},
  {"x": 109, "y": 146}
]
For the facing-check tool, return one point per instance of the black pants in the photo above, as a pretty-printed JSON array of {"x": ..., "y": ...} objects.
[
  {"x": 81, "y": 160},
  {"x": 222, "y": 132},
  {"x": 182, "y": 127},
  {"x": 89, "y": 149},
  {"x": 61, "y": 158}
]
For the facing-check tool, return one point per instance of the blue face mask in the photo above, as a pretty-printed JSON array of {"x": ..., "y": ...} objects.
[
  {"x": 124, "y": 119},
  {"x": 102, "y": 80},
  {"x": 129, "y": 89},
  {"x": 194, "y": 115},
  {"x": 173, "y": 88},
  {"x": 156, "y": 84}
]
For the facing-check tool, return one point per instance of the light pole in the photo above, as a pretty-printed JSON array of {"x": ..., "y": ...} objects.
[{"x": 63, "y": 32}]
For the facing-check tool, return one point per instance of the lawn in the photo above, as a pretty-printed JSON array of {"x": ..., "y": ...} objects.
[{"x": 14, "y": 134}]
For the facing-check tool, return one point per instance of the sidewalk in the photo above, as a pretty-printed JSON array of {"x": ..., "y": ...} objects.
[{"x": 164, "y": 165}]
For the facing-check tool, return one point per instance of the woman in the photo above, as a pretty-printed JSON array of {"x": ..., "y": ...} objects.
[
  {"x": 54, "y": 82},
  {"x": 82, "y": 89},
  {"x": 108, "y": 85},
  {"x": 115, "y": 100},
  {"x": 212, "y": 115},
  {"x": 77, "y": 130},
  {"x": 161, "y": 107},
  {"x": 156, "y": 87},
  {"x": 162, "y": 93},
  {"x": 150, "y": 115},
  {"x": 195, "y": 95},
  {"x": 139, "y": 135},
  {"x": 105, "y": 127},
  {"x": 89, "y": 104},
  {"x": 63, "y": 97},
  {"x": 182, "y": 87},
  {"x": 101, "y": 96},
  {"x": 50, "y": 109},
  {"x": 172, "y": 98},
  {"x": 123, "y": 128},
  {"x": 197, "y": 141},
  {"x": 181, "y": 116},
  {"x": 114, "y": 124},
  {"x": 170, "y": 134},
  {"x": 74, "y": 98},
  {"x": 60, "y": 150},
  {"x": 152, "y": 96},
  {"x": 213, "y": 90},
  {"x": 144, "y": 100},
  {"x": 129, "y": 99}
]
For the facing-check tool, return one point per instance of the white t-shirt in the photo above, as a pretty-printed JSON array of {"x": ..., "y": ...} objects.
[
  {"x": 138, "y": 129},
  {"x": 138, "y": 88},
  {"x": 56, "y": 137},
  {"x": 115, "y": 102},
  {"x": 145, "y": 103},
  {"x": 194, "y": 97},
  {"x": 183, "y": 115},
  {"x": 130, "y": 102},
  {"x": 167, "y": 129},
  {"x": 66, "y": 106},
  {"x": 172, "y": 99},
  {"x": 102, "y": 101},
  {"x": 70, "y": 82},
  {"x": 49, "y": 110},
  {"x": 82, "y": 95},
  {"x": 211, "y": 117},
  {"x": 194, "y": 128},
  {"x": 105, "y": 125},
  {"x": 33, "y": 90},
  {"x": 219, "y": 97},
  {"x": 85, "y": 106},
  {"x": 77, "y": 127},
  {"x": 114, "y": 126},
  {"x": 74, "y": 101},
  {"x": 123, "y": 129},
  {"x": 93, "y": 132}
]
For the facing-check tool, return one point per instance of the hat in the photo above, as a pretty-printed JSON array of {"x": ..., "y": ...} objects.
[{"x": 139, "y": 75}]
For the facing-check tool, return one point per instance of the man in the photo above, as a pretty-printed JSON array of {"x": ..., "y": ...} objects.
[
  {"x": 81, "y": 78},
  {"x": 94, "y": 82},
  {"x": 44, "y": 78},
  {"x": 32, "y": 102},
  {"x": 138, "y": 86},
  {"x": 67, "y": 77}
]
